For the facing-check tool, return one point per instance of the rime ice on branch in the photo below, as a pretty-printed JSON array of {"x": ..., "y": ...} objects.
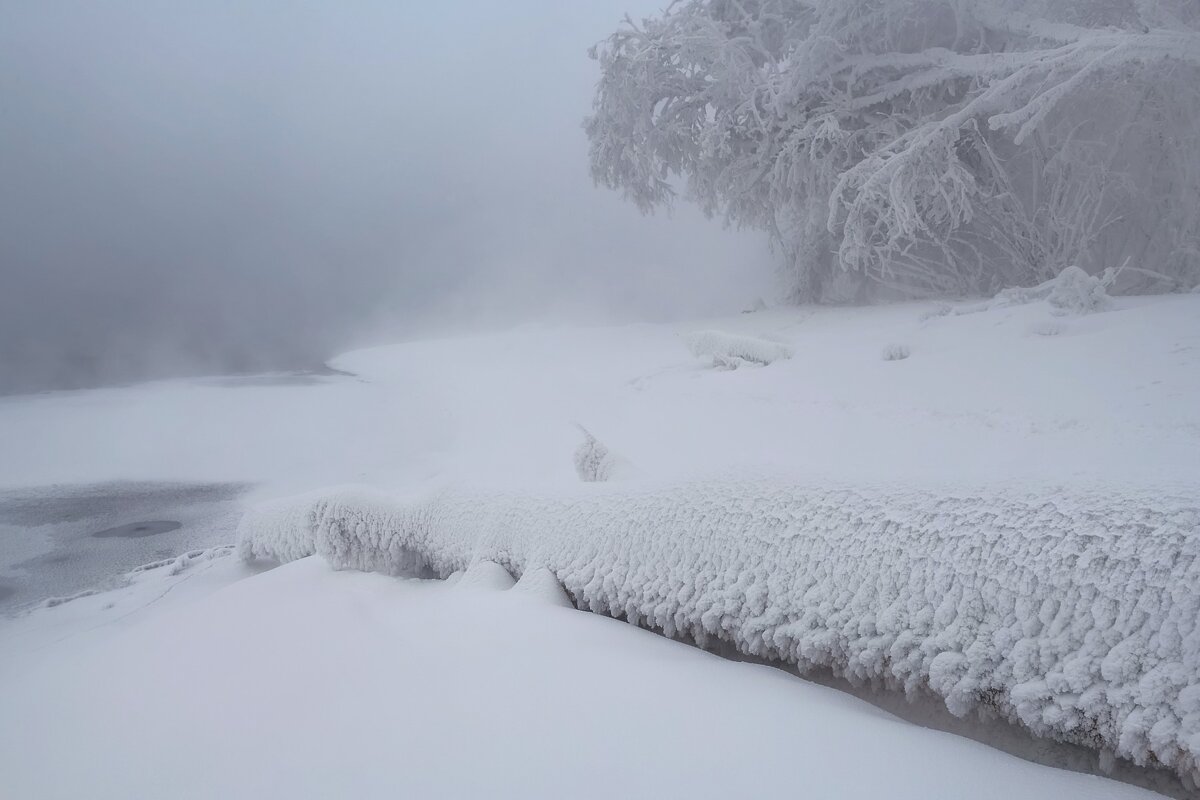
[{"x": 919, "y": 147}]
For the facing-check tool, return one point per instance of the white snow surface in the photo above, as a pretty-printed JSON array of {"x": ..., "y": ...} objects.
[
  {"x": 730, "y": 349},
  {"x": 1111, "y": 399},
  {"x": 302, "y": 682},
  {"x": 1072, "y": 613},
  {"x": 1101, "y": 419}
]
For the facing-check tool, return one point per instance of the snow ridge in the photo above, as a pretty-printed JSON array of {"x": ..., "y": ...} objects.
[{"x": 1074, "y": 613}]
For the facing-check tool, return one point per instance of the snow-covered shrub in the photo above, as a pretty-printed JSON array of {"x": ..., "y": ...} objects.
[
  {"x": 594, "y": 462},
  {"x": 918, "y": 146},
  {"x": 1076, "y": 292},
  {"x": 1072, "y": 291},
  {"x": 1077, "y": 615},
  {"x": 896, "y": 352},
  {"x": 730, "y": 350}
]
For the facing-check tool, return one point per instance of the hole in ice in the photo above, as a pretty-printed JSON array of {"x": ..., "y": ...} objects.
[{"x": 136, "y": 530}]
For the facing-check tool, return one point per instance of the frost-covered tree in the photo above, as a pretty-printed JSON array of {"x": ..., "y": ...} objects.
[{"x": 917, "y": 147}]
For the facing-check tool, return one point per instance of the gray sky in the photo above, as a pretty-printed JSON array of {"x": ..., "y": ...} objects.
[{"x": 222, "y": 185}]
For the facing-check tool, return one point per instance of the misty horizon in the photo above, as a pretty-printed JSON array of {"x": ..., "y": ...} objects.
[{"x": 219, "y": 188}]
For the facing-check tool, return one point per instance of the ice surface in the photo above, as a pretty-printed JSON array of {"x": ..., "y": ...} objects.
[{"x": 57, "y": 540}]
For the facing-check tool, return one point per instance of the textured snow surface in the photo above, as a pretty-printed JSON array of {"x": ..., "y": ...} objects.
[
  {"x": 1111, "y": 399},
  {"x": 1073, "y": 613},
  {"x": 302, "y": 682}
]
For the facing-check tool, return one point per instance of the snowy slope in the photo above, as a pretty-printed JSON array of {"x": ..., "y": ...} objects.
[
  {"x": 1110, "y": 396},
  {"x": 1013, "y": 403},
  {"x": 306, "y": 683}
]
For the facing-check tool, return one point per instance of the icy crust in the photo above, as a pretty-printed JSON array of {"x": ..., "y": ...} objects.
[{"x": 1074, "y": 614}]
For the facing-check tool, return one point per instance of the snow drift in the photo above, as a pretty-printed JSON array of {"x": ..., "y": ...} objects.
[
  {"x": 1072, "y": 613},
  {"x": 730, "y": 350}
]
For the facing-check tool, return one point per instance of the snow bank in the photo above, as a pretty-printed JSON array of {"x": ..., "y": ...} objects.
[
  {"x": 730, "y": 350},
  {"x": 1074, "y": 614},
  {"x": 540, "y": 585}
]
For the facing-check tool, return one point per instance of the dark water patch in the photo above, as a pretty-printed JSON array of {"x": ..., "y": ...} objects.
[
  {"x": 325, "y": 369},
  {"x": 137, "y": 530},
  {"x": 267, "y": 381},
  {"x": 56, "y": 505},
  {"x": 68, "y": 538},
  {"x": 305, "y": 377}
]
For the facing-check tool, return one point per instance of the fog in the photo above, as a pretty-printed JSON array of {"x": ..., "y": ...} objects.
[{"x": 224, "y": 186}]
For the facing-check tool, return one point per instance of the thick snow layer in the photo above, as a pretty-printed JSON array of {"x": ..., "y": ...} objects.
[
  {"x": 1111, "y": 399},
  {"x": 1073, "y": 613},
  {"x": 306, "y": 683}
]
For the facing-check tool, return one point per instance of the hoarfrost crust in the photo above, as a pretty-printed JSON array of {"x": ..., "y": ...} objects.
[{"x": 1074, "y": 614}]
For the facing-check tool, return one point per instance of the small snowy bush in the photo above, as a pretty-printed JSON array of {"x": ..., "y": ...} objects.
[
  {"x": 594, "y": 462},
  {"x": 1076, "y": 292},
  {"x": 1072, "y": 614},
  {"x": 896, "y": 352},
  {"x": 730, "y": 350},
  {"x": 1072, "y": 291}
]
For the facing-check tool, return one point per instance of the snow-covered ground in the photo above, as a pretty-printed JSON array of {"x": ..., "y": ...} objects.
[
  {"x": 217, "y": 681},
  {"x": 305, "y": 682}
]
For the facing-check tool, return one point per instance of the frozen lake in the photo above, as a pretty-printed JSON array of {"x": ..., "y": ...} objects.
[{"x": 58, "y": 540}]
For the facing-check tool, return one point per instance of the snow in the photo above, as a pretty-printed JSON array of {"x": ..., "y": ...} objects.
[
  {"x": 1072, "y": 613},
  {"x": 302, "y": 682},
  {"x": 1101, "y": 416},
  {"x": 730, "y": 350},
  {"x": 595, "y": 462},
  {"x": 1109, "y": 399}
]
